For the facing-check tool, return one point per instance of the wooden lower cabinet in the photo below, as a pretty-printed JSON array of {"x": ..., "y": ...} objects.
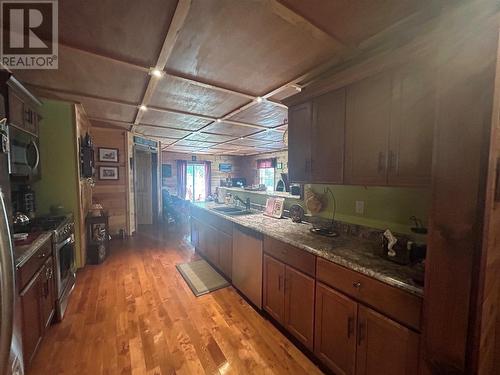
[
  {"x": 384, "y": 346},
  {"x": 353, "y": 339},
  {"x": 225, "y": 254},
  {"x": 47, "y": 295},
  {"x": 31, "y": 311},
  {"x": 289, "y": 299},
  {"x": 274, "y": 291},
  {"x": 212, "y": 245},
  {"x": 335, "y": 339}
]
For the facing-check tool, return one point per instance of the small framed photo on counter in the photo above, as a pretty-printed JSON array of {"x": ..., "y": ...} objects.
[
  {"x": 108, "y": 173},
  {"x": 109, "y": 155}
]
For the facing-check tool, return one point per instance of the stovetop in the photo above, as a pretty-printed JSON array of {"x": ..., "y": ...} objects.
[{"x": 46, "y": 223}]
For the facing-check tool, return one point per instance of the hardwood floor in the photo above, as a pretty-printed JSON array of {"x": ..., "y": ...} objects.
[{"x": 134, "y": 314}]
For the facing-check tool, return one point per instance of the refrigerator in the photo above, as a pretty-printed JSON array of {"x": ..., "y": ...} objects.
[{"x": 10, "y": 321}]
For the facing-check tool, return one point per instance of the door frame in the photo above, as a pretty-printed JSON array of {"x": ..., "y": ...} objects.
[{"x": 155, "y": 188}]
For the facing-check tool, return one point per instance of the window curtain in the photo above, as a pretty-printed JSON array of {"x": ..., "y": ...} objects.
[
  {"x": 208, "y": 179},
  {"x": 181, "y": 178},
  {"x": 266, "y": 163}
]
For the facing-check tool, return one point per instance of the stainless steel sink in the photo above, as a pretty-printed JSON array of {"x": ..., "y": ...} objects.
[
  {"x": 233, "y": 211},
  {"x": 227, "y": 209}
]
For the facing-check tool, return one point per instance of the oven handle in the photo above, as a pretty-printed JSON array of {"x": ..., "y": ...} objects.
[{"x": 65, "y": 242}]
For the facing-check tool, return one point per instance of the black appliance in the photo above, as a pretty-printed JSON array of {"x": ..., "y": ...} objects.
[
  {"x": 24, "y": 156},
  {"x": 23, "y": 200}
]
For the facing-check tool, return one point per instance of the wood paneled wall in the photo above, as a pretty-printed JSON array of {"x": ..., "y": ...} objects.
[
  {"x": 248, "y": 166},
  {"x": 113, "y": 194},
  {"x": 85, "y": 188},
  {"x": 172, "y": 157}
]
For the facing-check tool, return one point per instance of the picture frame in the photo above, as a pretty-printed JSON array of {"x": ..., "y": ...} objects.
[
  {"x": 108, "y": 173},
  {"x": 108, "y": 155}
]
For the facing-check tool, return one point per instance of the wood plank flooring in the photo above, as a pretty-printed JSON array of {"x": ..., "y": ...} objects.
[{"x": 134, "y": 314}]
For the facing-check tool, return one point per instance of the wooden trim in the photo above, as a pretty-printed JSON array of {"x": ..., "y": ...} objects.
[{"x": 176, "y": 25}]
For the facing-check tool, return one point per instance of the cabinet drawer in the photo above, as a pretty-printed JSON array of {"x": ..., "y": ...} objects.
[
  {"x": 401, "y": 306},
  {"x": 297, "y": 258},
  {"x": 27, "y": 270}
]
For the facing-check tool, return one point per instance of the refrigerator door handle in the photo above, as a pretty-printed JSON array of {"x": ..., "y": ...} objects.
[{"x": 6, "y": 288}]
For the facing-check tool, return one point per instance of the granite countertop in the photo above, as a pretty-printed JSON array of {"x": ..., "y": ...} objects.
[
  {"x": 349, "y": 251},
  {"x": 23, "y": 253},
  {"x": 279, "y": 194}
]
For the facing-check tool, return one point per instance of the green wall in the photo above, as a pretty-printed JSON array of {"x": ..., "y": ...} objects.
[
  {"x": 58, "y": 185},
  {"x": 385, "y": 207}
]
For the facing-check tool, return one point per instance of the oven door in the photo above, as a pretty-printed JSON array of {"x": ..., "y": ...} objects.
[
  {"x": 24, "y": 154},
  {"x": 65, "y": 253}
]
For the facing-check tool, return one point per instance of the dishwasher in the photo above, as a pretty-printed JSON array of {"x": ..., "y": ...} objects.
[{"x": 247, "y": 263}]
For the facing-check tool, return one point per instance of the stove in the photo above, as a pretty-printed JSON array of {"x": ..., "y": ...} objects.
[{"x": 63, "y": 247}]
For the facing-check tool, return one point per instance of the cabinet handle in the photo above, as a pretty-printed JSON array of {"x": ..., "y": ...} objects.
[
  {"x": 356, "y": 284},
  {"x": 41, "y": 256},
  {"x": 381, "y": 157},
  {"x": 49, "y": 273},
  {"x": 361, "y": 333},
  {"x": 350, "y": 327}
]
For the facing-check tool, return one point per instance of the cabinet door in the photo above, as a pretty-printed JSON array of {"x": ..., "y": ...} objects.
[
  {"x": 226, "y": 254},
  {"x": 212, "y": 246},
  {"x": 31, "y": 311},
  {"x": 202, "y": 237},
  {"x": 195, "y": 233},
  {"x": 299, "y": 138},
  {"x": 299, "y": 306},
  {"x": 335, "y": 331},
  {"x": 384, "y": 346},
  {"x": 274, "y": 290},
  {"x": 410, "y": 155},
  {"x": 47, "y": 293},
  {"x": 16, "y": 110},
  {"x": 328, "y": 138},
  {"x": 368, "y": 119}
]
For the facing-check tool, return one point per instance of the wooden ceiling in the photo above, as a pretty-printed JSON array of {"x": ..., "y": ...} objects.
[{"x": 226, "y": 65}]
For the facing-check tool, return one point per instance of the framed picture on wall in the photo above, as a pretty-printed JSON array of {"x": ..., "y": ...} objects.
[
  {"x": 109, "y": 155},
  {"x": 108, "y": 173}
]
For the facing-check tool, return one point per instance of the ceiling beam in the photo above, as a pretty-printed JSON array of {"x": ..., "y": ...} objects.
[{"x": 180, "y": 15}]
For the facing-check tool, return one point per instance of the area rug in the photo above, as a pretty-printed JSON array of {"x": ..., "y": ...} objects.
[{"x": 201, "y": 277}]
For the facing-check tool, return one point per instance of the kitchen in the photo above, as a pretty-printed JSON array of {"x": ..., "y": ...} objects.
[{"x": 253, "y": 187}]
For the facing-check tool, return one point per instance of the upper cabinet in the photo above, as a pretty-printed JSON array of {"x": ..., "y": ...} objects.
[
  {"x": 376, "y": 131},
  {"x": 316, "y": 139},
  {"x": 368, "y": 120},
  {"x": 299, "y": 142},
  {"x": 23, "y": 107}
]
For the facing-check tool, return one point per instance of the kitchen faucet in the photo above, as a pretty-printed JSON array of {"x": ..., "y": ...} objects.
[{"x": 245, "y": 202}]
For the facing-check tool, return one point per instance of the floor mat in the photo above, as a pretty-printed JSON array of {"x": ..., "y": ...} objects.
[{"x": 201, "y": 277}]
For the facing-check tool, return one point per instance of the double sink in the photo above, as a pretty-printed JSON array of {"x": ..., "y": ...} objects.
[{"x": 233, "y": 211}]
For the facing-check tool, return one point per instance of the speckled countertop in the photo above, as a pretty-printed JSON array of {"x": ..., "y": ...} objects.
[
  {"x": 349, "y": 251},
  {"x": 25, "y": 252}
]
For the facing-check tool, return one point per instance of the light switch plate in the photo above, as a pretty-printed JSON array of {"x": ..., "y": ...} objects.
[{"x": 360, "y": 207}]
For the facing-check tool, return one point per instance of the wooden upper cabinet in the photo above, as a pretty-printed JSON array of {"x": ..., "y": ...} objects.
[
  {"x": 368, "y": 119},
  {"x": 327, "y": 138},
  {"x": 335, "y": 331},
  {"x": 410, "y": 154},
  {"x": 299, "y": 306},
  {"x": 274, "y": 290},
  {"x": 384, "y": 346},
  {"x": 299, "y": 142}
]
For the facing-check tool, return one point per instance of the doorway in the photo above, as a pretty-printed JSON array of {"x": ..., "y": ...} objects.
[
  {"x": 146, "y": 189},
  {"x": 196, "y": 183}
]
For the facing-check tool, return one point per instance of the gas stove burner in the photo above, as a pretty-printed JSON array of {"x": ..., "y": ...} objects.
[{"x": 324, "y": 232}]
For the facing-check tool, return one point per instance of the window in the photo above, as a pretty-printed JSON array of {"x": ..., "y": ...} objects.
[{"x": 266, "y": 177}]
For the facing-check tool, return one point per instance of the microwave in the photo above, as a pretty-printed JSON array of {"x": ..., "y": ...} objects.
[{"x": 24, "y": 155}]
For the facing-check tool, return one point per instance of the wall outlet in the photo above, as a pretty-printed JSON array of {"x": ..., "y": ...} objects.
[{"x": 360, "y": 207}]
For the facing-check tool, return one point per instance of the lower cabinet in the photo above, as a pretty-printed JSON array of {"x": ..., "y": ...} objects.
[
  {"x": 37, "y": 308},
  {"x": 214, "y": 245},
  {"x": 353, "y": 339},
  {"x": 289, "y": 298}
]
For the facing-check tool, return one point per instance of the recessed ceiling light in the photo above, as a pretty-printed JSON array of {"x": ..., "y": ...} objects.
[
  {"x": 259, "y": 99},
  {"x": 242, "y": 138},
  {"x": 143, "y": 107},
  {"x": 157, "y": 72},
  {"x": 219, "y": 120}
]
